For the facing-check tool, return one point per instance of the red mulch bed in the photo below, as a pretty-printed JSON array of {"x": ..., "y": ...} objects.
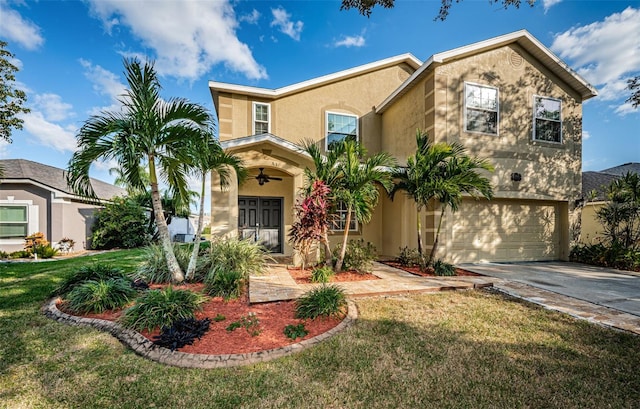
[
  {"x": 273, "y": 318},
  {"x": 429, "y": 272},
  {"x": 304, "y": 276}
]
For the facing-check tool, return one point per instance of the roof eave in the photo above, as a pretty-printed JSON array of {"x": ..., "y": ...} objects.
[{"x": 314, "y": 82}]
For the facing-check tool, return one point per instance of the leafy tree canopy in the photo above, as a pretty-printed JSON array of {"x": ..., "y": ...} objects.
[
  {"x": 634, "y": 87},
  {"x": 11, "y": 99},
  {"x": 365, "y": 7}
]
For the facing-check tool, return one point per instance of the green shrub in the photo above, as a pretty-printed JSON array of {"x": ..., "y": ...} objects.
[
  {"x": 295, "y": 331},
  {"x": 224, "y": 283},
  {"x": 323, "y": 301},
  {"x": 98, "y": 296},
  {"x": 20, "y": 254},
  {"x": 154, "y": 267},
  {"x": 613, "y": 255},
  {"x": 408, "y": 257},
  {"x": 44, "y": 251},
  {"x": 161, "y": 308},
  {"x": 92, "y": 272},
  {"x": 322, "y": 274},
  {"x": 3, "y": 254},
  {"x": 121, "y": 224},
  {"x": 359, "y": 256},
  {"x": 441, "y": 268},
  {"x": 244, "y": 256}
]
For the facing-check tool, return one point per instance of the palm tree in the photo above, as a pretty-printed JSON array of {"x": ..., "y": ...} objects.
[
  {"x": 121, "y": 181},
  {"x": 208, "y": 156},
  {"x": 148, "y": 130},
  {"x": 356, "y": 185},
  {"x": 459, "y": 175},
  {"x": 417, "y": 179}
]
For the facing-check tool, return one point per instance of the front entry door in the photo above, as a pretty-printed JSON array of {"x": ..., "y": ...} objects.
[{"x": 260, "y": 218}]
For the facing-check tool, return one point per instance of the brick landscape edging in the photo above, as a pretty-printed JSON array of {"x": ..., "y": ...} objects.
[{"x": 147, "y": 349}]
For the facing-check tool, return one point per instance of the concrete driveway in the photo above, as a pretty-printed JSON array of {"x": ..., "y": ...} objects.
[{"x": 602, "y": 286}]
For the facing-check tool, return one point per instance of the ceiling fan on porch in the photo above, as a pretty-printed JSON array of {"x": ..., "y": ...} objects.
[{"x": 262, "y": 178}]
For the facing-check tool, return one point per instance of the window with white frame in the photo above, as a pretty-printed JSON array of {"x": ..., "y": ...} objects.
[
  {"x": 547, "y": 119},
  {"x": 340, "y": 127},
  {"x": 481, "y": 108},
  {"x": 340, "y": 221},
  {"x": 14, "y": 221},
  {"x": 261, "y": 118}
]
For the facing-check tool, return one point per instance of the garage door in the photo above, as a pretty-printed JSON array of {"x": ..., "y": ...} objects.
[{"x": 505, "y": 231}]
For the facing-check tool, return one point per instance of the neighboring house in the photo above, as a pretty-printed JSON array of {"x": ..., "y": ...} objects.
[
  {"x": 35, "y": 198},
  {"x": 596, "y": 183},
  {"x": 508, "y": 99}
]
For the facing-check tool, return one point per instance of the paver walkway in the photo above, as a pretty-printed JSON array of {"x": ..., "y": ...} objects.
[{"x": 277, "y": 285}]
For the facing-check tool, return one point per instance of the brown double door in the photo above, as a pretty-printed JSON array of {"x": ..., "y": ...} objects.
[{"x": 260, "y": 218}]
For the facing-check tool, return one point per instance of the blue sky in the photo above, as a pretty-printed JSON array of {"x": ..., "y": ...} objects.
[{"x": 70, "y": 55}]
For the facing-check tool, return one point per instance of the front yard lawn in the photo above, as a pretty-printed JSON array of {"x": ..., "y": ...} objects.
[{"x": 445, "y": 350}]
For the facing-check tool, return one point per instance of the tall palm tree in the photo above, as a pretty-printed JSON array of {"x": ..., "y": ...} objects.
[
  {"x": 208, "y": 156},
  {"x": 458, "y": 176},
  {"x": 121, "y": 181},
  {"x": 148, "y": 130},
  {"x": 418, "y": 181},
  {"x": 356, "y": 186}
]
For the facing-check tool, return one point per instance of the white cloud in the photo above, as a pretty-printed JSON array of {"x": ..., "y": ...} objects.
[
  {"x": 187, "y": 37},
  {"x": 547, "y": 4},
  {"x": 104, "y": 83},
  {"x": 350, "y": 41},
  {"x": 625, "y": 109},
  {"x": 49, "y": 134},
  {"x": 4, "y": 149},
  {"x": 604, "y": 50},
  {"x": 606, "y": 53},
  {"x": 52, "y": 107},
  {"x": 15, "y": 28},
  {"x": 282, "y": 20},
  {"x": 585, "y": 135},
  {"x": 251, "y": 18}
]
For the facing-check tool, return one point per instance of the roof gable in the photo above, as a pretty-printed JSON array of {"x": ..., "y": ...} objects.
[
  {"x": 315, "y": 82},
  {"x": 524, "y": 39},
  {"x": 51, "y": 177}
]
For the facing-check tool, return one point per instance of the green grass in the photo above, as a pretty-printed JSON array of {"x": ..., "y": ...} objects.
[{"x": 445, "y": 350}]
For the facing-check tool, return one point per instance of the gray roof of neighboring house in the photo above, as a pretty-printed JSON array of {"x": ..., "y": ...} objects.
[
  {"x": 597, "y": 181},
  {"x": 633, "y": 167},
  {"x": 52, "y": 177}
]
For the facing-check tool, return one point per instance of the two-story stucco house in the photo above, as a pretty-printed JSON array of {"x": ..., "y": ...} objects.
[{"x": 508, "y": 99}]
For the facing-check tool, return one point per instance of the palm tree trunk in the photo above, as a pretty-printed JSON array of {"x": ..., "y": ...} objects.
[
  {"x": 345, "y": 236},
  {"x": 191, "y": 269},
  {"x": 420, "y": 251},
  {"x": 435, "y": 243},
  {"x": 327, "y": 249},
  {"x": 163, "y": 229}
]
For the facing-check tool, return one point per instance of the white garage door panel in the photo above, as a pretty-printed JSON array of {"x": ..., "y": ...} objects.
[{"x": 505, "y": 231}]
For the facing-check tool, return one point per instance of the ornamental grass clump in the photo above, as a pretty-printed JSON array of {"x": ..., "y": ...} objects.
[
  {"x": 322, "y": 274},
  {"x": 223, "y": 283},
  {"x": 323, "y": 301},
  {"x": 98, "y": 296},
  {"x": 161, "y": 308},
  {"x": 93, "y": 272},
  {"x": 441, "y": 268},
  {"x": 244, "y": 256}
]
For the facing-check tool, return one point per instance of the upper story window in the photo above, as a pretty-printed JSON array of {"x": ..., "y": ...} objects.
[
  {"x": 261, "y": 118},
  {"x": 340, "y": 127},
  {"x": 547, "y": 119},
  {"x": 481, "y": 108},
  {"x": 14, "y": 222}
]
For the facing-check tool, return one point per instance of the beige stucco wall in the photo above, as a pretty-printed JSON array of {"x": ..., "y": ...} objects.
[{"x": 591, "y": 228}]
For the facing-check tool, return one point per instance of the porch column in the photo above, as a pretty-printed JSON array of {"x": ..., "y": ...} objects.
[{"x": 224, "y": 207}]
